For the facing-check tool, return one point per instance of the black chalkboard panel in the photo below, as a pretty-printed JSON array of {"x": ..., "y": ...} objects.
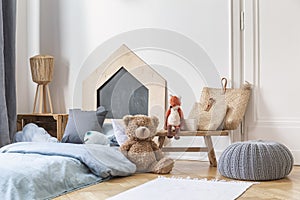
[{"x": 123, "y": 94}]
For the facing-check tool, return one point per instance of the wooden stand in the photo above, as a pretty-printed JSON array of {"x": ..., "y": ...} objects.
[
  {"x": 209, "y": 148},
  {"x": 42, "y": 91}
]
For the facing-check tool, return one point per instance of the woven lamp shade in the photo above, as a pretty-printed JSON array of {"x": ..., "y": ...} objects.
[
  {"x": 42, "y": 69},
  {"x": 42, "y": 74}
]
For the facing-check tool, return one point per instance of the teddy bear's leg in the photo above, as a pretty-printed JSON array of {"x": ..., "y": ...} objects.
[
  {"x": 164, "y": 166},
  {"x": 169, "y": 133},
  {"x": 176, "y": 136}
]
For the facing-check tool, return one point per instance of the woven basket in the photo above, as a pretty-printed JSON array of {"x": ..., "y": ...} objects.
[
  {"x": 236, "y": 101},
  {"x": 42, "y": 69},
  {"x": 209, "y": 118}
]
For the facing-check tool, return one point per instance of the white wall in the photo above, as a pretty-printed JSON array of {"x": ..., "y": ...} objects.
[
  {"x": 22, "y": 76},
  {"x": 72, "y": 31},
  {"x": 28, "y": 44},
  {"x": 81, "y": 34},
  {"x": 272, "y": 58}
]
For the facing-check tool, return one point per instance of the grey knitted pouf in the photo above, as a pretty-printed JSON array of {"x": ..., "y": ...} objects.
[{"x": 256, "y": 160}]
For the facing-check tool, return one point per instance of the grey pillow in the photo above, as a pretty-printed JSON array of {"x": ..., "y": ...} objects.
[
  {"x": 79, "y": 122},
  {"x": 101, "y": 113}
]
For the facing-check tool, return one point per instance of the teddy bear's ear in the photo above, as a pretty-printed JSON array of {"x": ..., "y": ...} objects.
[
  {"x": 155, "y": 121},
  {"x": 126, "y": 119}
]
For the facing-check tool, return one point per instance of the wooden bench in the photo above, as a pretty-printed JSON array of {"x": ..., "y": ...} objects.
[{"x": 209, "y": 148}]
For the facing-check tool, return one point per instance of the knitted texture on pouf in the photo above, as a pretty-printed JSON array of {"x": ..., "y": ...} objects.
[{"x": 256, "y": 160}]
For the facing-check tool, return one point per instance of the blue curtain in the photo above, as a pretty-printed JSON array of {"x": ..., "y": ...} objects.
[{"x": 7, "y": 71}]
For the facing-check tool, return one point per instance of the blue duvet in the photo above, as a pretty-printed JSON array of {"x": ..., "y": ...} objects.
[{"x": 31, "y": 170}]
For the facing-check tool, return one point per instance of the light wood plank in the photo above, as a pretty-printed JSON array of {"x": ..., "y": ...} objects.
[
  {"x": 49, "y": 99},
  {"x": 185, "y": 149},
  {"x": 287, "y": 188},
  {"x": 35, "y": 98},
  {"x": 41, "y": 98},
  {"x": 44, "y": 98},
  {"x": 196, "y": 133}
]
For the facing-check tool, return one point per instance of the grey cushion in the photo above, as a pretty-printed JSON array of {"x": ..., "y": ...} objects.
[
  {"x": 79, "y": 122},
  {"x": 101, "y": 113},
  {"x": 256, "y": 160}
]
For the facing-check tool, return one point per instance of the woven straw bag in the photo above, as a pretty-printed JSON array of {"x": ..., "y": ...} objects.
[
  {"x": 237, "y": 101},
  {"x": 234, "y": 100},
  {"x": 210, "y": 111}
]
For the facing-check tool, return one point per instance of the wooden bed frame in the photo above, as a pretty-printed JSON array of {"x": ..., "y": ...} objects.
[{"x": 209, "y": 148}]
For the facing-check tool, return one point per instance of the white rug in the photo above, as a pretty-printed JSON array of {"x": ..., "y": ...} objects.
[{"x": 189, "y": 189}]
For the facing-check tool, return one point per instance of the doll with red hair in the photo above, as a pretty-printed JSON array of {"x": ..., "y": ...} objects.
[{"x": 174, "y": 116}]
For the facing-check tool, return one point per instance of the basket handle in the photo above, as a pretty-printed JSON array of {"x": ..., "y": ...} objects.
[{"x": 224, "y": 84}]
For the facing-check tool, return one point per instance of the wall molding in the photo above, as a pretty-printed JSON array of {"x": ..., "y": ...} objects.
[
  {"x": 254, "y": 73},
  {"x": 264, "y": 122}
]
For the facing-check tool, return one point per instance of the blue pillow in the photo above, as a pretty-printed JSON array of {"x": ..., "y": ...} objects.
[{"x": 79, "y": 122}]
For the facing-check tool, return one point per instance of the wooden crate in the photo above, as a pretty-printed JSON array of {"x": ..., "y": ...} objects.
[{"x": 54, "y": 124}]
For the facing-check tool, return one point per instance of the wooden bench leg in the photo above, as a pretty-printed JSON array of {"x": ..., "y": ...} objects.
[
  {"x": 161, "y": 140},
  {"x": 211, "y": 151}
]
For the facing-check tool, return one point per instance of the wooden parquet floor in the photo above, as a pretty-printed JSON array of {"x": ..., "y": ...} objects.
[{"x": 287, "y": 188}]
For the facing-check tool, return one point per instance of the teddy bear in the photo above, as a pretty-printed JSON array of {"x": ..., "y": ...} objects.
[
  {"x": 141, "y": 149},
  {"x": 174, "y": 116}
]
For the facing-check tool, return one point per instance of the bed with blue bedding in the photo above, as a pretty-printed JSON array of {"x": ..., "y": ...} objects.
[{"x": 34, "y": 170}]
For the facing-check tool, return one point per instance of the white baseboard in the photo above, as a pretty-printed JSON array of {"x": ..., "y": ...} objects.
[{"x": 296, "y": 155}]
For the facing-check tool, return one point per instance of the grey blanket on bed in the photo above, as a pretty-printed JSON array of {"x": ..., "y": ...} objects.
[{"x": 31, "y": 170}]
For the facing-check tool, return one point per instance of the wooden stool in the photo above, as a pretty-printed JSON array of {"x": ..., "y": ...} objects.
[
  {"x": 209, "y": 147},
  {"x": 42, "y": 73}
]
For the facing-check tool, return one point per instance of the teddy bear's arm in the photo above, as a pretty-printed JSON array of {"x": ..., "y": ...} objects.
[
  {"x": 127, "y": 145},
  {"x": 158, "y": 152},
  {"x": 124, "y": 148}
]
